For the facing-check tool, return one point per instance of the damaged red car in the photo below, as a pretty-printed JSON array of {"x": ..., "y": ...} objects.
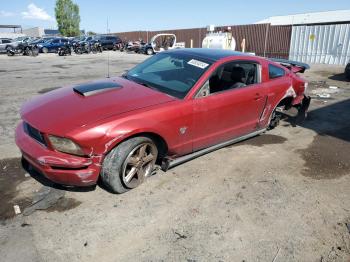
[{"x": 174, "y": 106}]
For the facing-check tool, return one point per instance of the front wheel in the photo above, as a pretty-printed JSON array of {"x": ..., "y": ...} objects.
[
  {"x": 45, "y": 50},
  {"x": 129, "y": 164}
]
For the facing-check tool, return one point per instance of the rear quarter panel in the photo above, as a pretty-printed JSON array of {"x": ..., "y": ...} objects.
[{"x": 278, "y": 89}]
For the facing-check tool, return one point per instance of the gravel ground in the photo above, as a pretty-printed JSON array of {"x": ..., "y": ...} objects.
[{"x": 281, "y": 196}]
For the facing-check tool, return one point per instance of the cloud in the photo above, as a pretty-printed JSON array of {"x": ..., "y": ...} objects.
[
  {"x": 35, "y": 12},
  {"x": 6, "y": 14}
]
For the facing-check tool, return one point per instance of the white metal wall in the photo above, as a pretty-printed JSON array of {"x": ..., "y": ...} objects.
[{"x": 325, "y": 44}]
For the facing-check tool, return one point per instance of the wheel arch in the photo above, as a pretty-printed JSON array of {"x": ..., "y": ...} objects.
[
  {"x": 160, "y": 142},
  {"x": 287, "y": 102}
]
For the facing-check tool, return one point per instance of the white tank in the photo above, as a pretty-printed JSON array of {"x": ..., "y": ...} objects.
[{"x": 219, "y": 40}]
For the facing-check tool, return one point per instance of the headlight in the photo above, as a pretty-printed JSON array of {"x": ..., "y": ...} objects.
[{"x": 65, "y": 145}]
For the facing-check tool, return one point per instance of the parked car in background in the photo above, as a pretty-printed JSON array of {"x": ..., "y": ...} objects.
[
  {"x": 108, "y": 42},
  {"x": 347, "y": 71},
  {"x": 4, "y": 42},
  {"x": 52, "y": 46},
  {"x": 41, "y": 40},
  {"x": 174, "y": 106},
  {"x": 17, "y": 41}
]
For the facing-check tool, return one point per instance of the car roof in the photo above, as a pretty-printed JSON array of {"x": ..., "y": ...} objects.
[{"x": 208, "y": 53}]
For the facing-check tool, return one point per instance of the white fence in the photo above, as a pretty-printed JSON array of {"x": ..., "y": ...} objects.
[{"x": 324, "y": 44}]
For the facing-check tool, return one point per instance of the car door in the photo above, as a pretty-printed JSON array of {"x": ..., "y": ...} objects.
[
  {"x": 3, "y": 44},
  {"x": 110, "y": 41},
  {"x": 63, "y": 42},
  {"x": 103, "y": 42},
  {"x": 221, "y": 115},
  {"x": 54, "y": 45}
]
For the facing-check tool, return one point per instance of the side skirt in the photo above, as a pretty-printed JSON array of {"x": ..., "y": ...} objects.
[{"x": 170, "y": 163}]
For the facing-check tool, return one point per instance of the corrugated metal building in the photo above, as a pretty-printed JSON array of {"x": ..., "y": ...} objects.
[
  {"x": 338, "y": 16},
  {"x": 320, "y": 37},
  {"x": 325, "y": 44}
]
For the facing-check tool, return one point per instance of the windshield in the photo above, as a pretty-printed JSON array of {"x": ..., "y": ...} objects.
[{"x": 171, "y": 73}]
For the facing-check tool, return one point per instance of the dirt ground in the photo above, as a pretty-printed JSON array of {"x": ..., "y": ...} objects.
[{"x": 281, "y": 196}]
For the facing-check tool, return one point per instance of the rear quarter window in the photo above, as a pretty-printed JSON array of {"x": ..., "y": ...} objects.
[{"x": 276, "y": 72}]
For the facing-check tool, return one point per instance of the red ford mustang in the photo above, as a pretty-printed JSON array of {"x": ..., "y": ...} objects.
[{"x": 171, "y": 108}]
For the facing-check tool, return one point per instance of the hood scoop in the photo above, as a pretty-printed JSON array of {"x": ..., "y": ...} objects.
[{"x": 95, "y": 88}]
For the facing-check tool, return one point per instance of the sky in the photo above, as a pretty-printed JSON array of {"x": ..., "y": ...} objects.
[{"x": 135, "y": 15}]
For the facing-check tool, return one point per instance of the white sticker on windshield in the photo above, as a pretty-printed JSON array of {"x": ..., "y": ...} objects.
[{"x": 197, "y": 63}]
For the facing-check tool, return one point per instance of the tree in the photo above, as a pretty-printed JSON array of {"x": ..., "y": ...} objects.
[{"x": 67, "y": 17}]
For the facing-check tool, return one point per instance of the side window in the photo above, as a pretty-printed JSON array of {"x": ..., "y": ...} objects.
[
  {"x": 55, "y": 41},
  {"x": 6, "y": 41},
  {"x": 64, "y": 40},
  {"x": 275, "y": 72},
  {"x": 234, "y": 75}
]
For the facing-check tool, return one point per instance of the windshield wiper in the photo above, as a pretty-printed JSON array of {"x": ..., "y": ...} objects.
[
  {"x": 138, "y": 82},
  {"x": 146, "y": 85}
]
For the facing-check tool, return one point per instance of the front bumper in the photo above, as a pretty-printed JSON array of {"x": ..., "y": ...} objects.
[{"x": 58, "y": 167}]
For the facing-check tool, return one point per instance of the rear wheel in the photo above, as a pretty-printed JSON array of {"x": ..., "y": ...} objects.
[
  {"x": 149, "y": 51},
  {"x": 9, "y": 51},
  {"x": 28, "y": 51},
  {"x": 129, "y": 164},
  {"x": 275, "y": 119}
]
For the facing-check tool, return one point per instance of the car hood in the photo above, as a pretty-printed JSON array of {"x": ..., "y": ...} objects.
[{"x": 64, "y": 109}]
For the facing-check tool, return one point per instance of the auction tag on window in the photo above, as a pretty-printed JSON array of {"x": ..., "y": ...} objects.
[{"x": 197, "y": 63}]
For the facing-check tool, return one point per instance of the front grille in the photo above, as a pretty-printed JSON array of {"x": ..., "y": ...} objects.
[{"x": 34, "y": 133}]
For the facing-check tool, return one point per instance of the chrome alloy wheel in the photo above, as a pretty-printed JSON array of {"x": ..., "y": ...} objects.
[{"x": 139, "y": 164}]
